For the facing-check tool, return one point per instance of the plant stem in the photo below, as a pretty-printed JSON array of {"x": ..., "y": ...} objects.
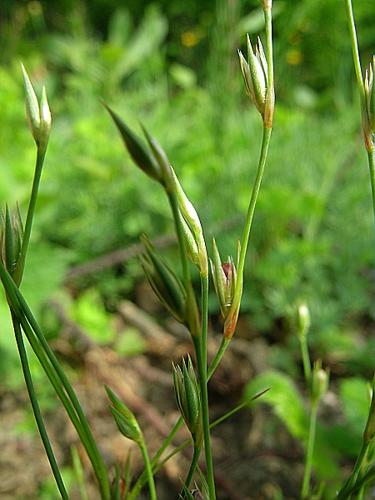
[
  {"x": 216, "y": 422},
  {"x": 193, "y": 466},
  {"x": 355, "y": 50},
  {"x": 148, "y": 468},
  {"x": 250, "y": 212},
  {"x": 36, "y": 410},
  {"x": 345, "y": 491},
  {"x": 371, "y": 164},
  {"x": 57, "y": 377},
  {"x": 305, "y": 358},
  {"x": 218, "y": 357},
  {"x": 202, "y": 371},
  {"x": 168, "y": 440},
  {"x": 305, "y": 493},
  {"x": 41, "y": 153}
]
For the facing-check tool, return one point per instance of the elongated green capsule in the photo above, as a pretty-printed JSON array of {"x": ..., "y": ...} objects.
[
  {"x": 192, "y": 220},
  {"x": 258, "y": 77},
  {"x": 39, "y": 114},
  {"x": 187, "y": 396},
  {"x": 137, "y": 150},
  {"x": 161, "y": 158},
  {"x": 11, "y": 237},
  {"x": 164, "y": 282},
  {"x": 320, "y": 381},
  {"x": 124, "y": 418}
]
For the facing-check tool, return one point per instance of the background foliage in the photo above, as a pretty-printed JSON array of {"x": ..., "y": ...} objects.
[{"x": 173, "y": 66}]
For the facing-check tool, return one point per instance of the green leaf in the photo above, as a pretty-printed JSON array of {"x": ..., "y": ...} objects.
[{"x": 284, "y": 399}]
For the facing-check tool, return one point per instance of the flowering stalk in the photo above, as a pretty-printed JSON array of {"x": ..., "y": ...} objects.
[
  {"x": 257, "y": 72},
  {"x": 366, "y": 91}
]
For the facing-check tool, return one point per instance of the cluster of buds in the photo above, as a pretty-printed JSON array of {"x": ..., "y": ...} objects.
[
  {"x": 154, "y": 162},
  {"x": 169, "y": 288},
  {"x": 224, "y": 275},
  {"x": 319, "y": 382},
  {"x": 368, "y": 113},
  {"x": 187, "y": 396},
  {"x": 39, "y": 114},
  {"x": 11, "y": 238},
  {"x": 255, "y": 74},
  {"x": 124, "y": 418}
]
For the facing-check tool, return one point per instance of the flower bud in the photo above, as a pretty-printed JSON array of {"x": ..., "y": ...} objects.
[
  {"x": 369, "y": 432},
  {"x": 368, "y": 107},
  {"x": 124, "y": 418},
  {"x": 224, "y": 276},
  {"x": 320, "y": 381},
  {"x": 11, "y": 237},
  {"x": 39, "y": 115},
  {"x": 167, "y": 287},
  {"x": 254, "y": 72},
  {"x": 187, "y": 396},
  {"x": 137, "y": 150},
  {"x": 303, "y": 319},
  {"x": 189, "y": 214},
  {"x": 162, "y": 160}
]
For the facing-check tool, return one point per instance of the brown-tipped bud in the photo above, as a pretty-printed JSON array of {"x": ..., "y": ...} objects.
[
  {"x": 11, "y": 237},
  {"x": 164, "y": 282},
  {"x": 368, "y": 113},
  {"x": 320, "y": 381},
  {"x": 224, "y": 276},
  {"x": 187, "y": 396}
]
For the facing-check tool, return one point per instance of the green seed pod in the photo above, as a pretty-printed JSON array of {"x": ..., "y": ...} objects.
[
  {"x": 187, "y": 397},
  {"x": 11, "y": 237},
  {"x": 258, "y": 77},
  {"x": 303, "y": 319},
  {"x": 162, "y": 160},
  {"x": 136, "y": 148},
  {"x": 164, "y": 282},
  {"x": 124, "y": 418},
  {"x": 39, "y": 115},
  {"x": 320, "y": 381},
  {"x": 224, "y": 276},
  {"x": 191, "y": 218},
  {"x": 369, "y": 432}
]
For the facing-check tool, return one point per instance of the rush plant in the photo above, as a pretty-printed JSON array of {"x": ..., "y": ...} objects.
[{"x": 174, "y": 288}]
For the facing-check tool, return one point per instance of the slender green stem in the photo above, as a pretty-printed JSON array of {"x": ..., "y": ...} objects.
[
  {"x": 180, "y": 236},
  {"x": 305, "y": 358},
  {"x": 36, "y": 410},
  {"x": 355, "y": 50},
  {"x": 202, "y": 371},
  {"x": 148, "y": 468},
  {"x": 41, "y": 153},
  {"x": 305, "y": 493},
  {"x": 29, "y": 324},
  {"x": 193, "y": 466},
  {"x": 216, "y": 422},
  {"x": 218, "y": 356},
  {"x": 345, "y": 491},
  {"x": 371, "y": 164},
  {"x": 250, "y": 212},
  {"x": 168, "y": 440}
]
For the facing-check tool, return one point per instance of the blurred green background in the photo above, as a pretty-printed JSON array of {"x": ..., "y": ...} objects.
[{"x": 173, "y": 66}]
